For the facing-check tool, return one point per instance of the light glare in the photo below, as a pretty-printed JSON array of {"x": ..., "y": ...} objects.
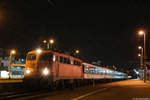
[
  {"x": 13, "y": 52},
  {"x": 141, "y": 32},
  {"x": 139, "y": 55},
  {"x": 38, "y": 51},
  {"x": 77, "y": 51},
  {"x": 139, "y": 47},
  {"x": 44, "y": 41},
  {"x": 51, "y": 41}
]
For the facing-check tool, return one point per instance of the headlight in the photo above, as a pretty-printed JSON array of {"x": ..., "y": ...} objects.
[
  {"x": 28, "y": 71},
  {"x": 45, "y": 71}
]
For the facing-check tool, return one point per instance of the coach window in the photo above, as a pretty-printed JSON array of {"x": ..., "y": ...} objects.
[
  {"x": 65, "y": 60},
  {"x": 74, "y": 62},
  {"x": 86, "y": 69},
  {"x": 79, "y": 63},
  {"x": 68, "y": 60},
  {"x": 56, "y": 58},
  {"x": 96, "y": 71},
  {"x": 61, "y": 59},
  {"x": 83, "y": 68}
]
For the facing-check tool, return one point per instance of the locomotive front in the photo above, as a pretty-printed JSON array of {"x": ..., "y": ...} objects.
[{"x": 38, "y": 66}]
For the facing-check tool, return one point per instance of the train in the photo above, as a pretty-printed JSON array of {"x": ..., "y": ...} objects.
[{"x": 50, "y": 68}]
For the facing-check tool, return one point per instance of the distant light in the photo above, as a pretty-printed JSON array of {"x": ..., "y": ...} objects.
[
  {"x": 51, "y": 41},
  {"x": 77, "y": 51},
  {"x": 38, "y": 51},
  {"x": 139, "y": 47},
  {"x": 141, "y": 32},
  {"x": 139, "y": 55},
  {"x": 13, "y": 52},
  {"x": 44, "y": 41}
]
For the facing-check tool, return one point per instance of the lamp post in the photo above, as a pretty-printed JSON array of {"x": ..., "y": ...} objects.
[
  {"x": 49, "y": 43},
  {"x": 12, "y": 52},
  {"x": 141, "y": 57},
  {"x": 141, "y": 62},
  {"x": 145, "y": 68}
]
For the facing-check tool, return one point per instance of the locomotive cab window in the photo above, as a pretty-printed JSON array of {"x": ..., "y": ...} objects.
[{"x": 31, "y": 57}]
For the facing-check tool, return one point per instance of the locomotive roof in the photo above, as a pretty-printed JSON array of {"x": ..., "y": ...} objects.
[{"x": 56, "y": 53}]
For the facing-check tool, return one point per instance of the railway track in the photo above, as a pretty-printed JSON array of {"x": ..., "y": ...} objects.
[
  {"x": 19, "y": 92},
  {"x": 15, "y": 93}
]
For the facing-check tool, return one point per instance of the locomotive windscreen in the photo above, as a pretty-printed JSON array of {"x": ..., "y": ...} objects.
[{"x": 31, "y": 57}]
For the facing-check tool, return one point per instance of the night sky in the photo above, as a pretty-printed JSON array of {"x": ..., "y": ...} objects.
[{"x": 101, "y": 30}]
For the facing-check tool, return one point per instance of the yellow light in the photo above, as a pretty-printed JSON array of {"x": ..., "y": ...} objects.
[
  {"x": 38, "y": 51},
  {"x": 77, "y": 51},
  {"x": 45, "y": 71},
  {"x": 141, "y": 32},
  {"x": 44, "y": 41},
  {"x": 13, "y": 52},
  {"x": 139, "y": 55},
  {"x": 51, "y": 41},
  {"x": 139, "y": 47}
]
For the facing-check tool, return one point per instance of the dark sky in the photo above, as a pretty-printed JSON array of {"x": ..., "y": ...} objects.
[{"x": 103, "y": 30}]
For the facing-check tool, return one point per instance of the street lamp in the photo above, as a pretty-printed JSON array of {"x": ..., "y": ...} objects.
[
  {"x": 77, "y": 51},
  {"x": 12, "y": 52},
  {"x": 139, "y": 55},
  {"x": 141, "y": 32},
  {"x": 44, "y": 41},
  {"x": 49, "y": 43}
]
